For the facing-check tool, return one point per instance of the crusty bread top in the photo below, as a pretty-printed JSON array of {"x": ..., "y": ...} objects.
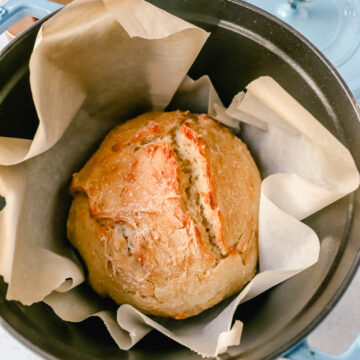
[{"x": 183, "y": 190}]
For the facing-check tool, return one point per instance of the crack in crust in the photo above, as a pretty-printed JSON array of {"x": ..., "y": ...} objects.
[{"x": 195, "y": 180}]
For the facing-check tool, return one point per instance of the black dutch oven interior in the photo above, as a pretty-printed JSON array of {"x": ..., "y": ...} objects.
[{"x": 245, "y": 43}]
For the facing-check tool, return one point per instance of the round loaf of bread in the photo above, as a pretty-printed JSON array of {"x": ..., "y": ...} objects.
[{"x": 165, "y": 214}]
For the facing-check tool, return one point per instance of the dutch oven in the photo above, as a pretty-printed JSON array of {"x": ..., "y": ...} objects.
[{"x": 245, "y": 43}]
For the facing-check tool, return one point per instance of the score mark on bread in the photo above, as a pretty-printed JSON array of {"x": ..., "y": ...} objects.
[{"x": 165, "y": 214}]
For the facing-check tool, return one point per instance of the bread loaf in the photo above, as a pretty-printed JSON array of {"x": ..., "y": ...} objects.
[{"x": 165, "y": 214}]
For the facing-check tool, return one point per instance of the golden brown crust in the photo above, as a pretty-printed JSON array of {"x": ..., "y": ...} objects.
[{"x": 165, "y": 214}]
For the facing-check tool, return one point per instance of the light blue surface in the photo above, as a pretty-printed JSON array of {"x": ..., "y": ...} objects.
[
  {"x": 303, "y": 352},
  {"x": 333, "y": 26},
  {"x": 13, "y": 10}
]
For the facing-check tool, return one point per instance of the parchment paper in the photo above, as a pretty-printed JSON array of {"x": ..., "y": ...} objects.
[{"x": 97, "y": 63}]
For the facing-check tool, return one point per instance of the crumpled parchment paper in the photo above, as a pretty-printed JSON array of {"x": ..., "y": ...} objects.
[{"x": 99, "y": 62}]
